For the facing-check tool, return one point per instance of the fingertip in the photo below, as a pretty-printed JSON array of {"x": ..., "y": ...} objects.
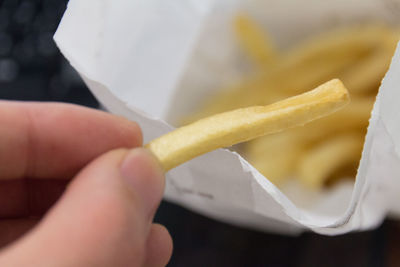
[
  {"x": 144, "y": 176},
  {"x": 131, "y": 132},
  {"x": 159, "y": 246}
]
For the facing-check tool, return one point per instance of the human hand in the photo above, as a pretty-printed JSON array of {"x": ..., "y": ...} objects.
[{"x": 104, "y": 217}]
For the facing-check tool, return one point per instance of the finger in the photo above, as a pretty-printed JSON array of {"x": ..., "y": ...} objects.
[
  {"x": 56, "y": 140},
  {"x": 159, "y": 246},
  {"x": 29, "y": 197},
  {"x": 103, "y": 219}
]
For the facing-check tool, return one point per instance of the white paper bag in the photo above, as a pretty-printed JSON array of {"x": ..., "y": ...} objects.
[{"x": 154, "y": 60}]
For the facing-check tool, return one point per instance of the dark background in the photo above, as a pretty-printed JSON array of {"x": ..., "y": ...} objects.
[{"x": 31, "y": 68}]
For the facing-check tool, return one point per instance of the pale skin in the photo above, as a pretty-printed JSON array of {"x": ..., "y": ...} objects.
[{"x": 113, "y": 186}]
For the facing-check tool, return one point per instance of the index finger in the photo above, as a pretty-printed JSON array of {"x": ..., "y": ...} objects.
[{"x": 52, "y": 140}]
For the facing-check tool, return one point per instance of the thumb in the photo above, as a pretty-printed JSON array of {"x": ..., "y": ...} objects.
[{"x": 103, "y": 219}]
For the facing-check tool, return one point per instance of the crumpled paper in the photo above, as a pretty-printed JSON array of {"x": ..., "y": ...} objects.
[{"x": 153, "y": 60}]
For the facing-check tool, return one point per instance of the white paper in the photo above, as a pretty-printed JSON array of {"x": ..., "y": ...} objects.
[{"x": 153, "y": 60}]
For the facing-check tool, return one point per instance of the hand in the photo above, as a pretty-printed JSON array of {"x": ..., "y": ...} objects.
[{"x": 104, "y": 217}]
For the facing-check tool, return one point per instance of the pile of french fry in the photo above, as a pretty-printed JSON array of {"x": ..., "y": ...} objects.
[{"x": 324, "y": 149}]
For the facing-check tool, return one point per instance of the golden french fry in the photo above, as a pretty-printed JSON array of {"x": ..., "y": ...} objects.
[
  {"x": 278, "y": 164},
  {"x": 321, "y": 161},
  {"x": 254, "y": 41},
  {"x": 339, "y": 50},
  {"x": 278, "y": 157},
  {"x": 229, "y": 128},
  {"x": 256, "y": 90},
  {"x": 354, "y": 116},
  {"x": 348, "y": 41},
  {"x": 270, "y": 144},
  {"x": 368, "y": 73},
  {"x": 313, "y": 73}
]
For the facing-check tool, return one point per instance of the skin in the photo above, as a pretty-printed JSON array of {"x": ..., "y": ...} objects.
[{"x": 77, "y": 189}]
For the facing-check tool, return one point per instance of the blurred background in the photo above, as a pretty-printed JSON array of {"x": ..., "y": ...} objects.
[{"x": 32, "y": 68}]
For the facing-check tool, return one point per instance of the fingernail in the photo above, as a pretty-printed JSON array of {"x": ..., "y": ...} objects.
[{"x": 144, "y": 177}]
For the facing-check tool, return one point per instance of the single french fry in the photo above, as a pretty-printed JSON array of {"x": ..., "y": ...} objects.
[
  {"x": 275, "y": 155},
  {"x": 277, "y": 165},
  {"x": 254, "y": 41},
  {"x": 229, "y": 128},
  {"x": 312, "y": 73},
  {"x": 354, "y": 116},
  {"x": 340, "y": 50},
  {"x": 319, "y": 163},
  {"x": 255, "y": 90},
  {"x": 368, "y": 73},
  {"x": 271, "y": 144},
  {"x": 348, "y": 41}
]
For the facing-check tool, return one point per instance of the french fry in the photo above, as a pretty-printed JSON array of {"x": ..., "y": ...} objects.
[
  {"x": 319, "y": 163},
  {"x": 352, "y": 117},
  {"x": 271, "y": 144},
  {"x": 254, "y": 41},
  {"x": 313, "y": 73},
  {"x": 229, "y": 128},
  {"x": 275, "y": 155},
  {"x": 358, "y": 40},
  {"x": 277, "y": 165},
  {"x": 256, "y": 90},
  {"x": 367, "y": 74}
]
